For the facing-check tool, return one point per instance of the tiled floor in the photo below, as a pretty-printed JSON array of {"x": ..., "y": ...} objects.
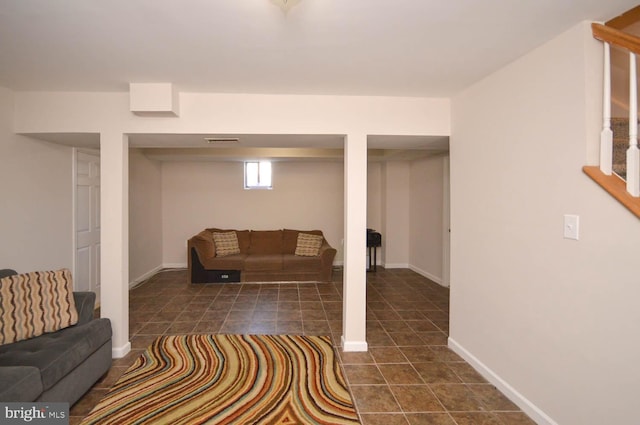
[{"x": 408, "y": 376}]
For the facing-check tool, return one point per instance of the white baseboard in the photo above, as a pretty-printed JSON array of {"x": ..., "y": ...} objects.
[
  {"x": 395, "y": 266},
  {"x": 511, "y": 393},
  {"x": 426, "y": 274},
  {"x": 174, "y": 265},
  {"x": 120, "y": 352},
  {"x": 353, "y": 346},
  {"x": 155, "y": 270},
  {"x": 145, "y": 276}
]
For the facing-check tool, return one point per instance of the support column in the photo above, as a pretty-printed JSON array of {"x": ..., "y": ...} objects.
[
  {"x": 355, "y": 225},
  {"x": 114, "y": 234}
]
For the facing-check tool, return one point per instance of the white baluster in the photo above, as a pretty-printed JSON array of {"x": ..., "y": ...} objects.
[
  {"x": 633, "y": 154},
  {"x": 606, "y": 137}
]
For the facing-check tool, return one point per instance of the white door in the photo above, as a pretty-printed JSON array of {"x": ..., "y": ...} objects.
[{"x": 87, "y": 224}]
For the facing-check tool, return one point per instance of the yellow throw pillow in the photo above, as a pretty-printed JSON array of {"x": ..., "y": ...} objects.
[
  {"x": 226, "y": 244},
  {"x": 35, "y": 303},
  {"x": 308, "y": 245}
]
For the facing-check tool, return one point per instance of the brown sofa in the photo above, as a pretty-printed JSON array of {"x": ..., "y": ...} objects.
[{"x": 265, "y": 256}]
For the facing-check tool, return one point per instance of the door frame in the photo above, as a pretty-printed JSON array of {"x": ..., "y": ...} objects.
[
  {"x": 446, "y": 223},
  {"x": 74, "y": 203}
]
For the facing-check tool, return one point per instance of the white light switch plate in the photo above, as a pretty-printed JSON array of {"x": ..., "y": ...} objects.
[{"x": 571, "y": 226}]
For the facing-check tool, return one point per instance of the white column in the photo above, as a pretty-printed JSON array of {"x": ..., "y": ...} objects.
[
  {"x": 606, "y": 136},
  {"x": 355, "y": 224},
  {"x": 633, "y": 154},
  {"x": 114, "y": 233}
]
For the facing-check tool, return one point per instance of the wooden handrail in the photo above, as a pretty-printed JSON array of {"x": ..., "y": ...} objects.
[
  {"x": 615, "y": 186},
  {"x": 626, "y": 19},
  {"x": 616, "y": 37}
]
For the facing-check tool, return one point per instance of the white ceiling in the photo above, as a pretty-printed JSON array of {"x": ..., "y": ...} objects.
[
  {"x": 426, "y": 48},
  {"x": 351, "y": 47}
]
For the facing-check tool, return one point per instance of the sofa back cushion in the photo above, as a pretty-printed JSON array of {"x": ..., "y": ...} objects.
[
  {"x": 266, "y": 242},
  {"x": 290, "y": 239},
  {"x": 35, "y": 303},
  {"x": 7, "y": 272}
]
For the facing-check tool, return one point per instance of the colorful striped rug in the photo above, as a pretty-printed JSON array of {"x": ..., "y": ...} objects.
[{"x": 230, "y": 379}]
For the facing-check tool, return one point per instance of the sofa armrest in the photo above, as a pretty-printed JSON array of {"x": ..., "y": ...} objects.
[
  {"x": 203, "y": 244},
  {"x": 85, "y": 304},
  {"x": 199, "y": 248},
  {"x": 327, "y": 254}
]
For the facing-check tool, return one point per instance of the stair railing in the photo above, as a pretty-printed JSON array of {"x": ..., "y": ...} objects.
[
  {"x": 614, "y": 37},
  {"x": 633, "y": 153},
  {"x": 606, "y": 136}
]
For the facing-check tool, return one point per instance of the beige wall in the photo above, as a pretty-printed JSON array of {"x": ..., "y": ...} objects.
[
  {"x": 36, "y": 192},
  {"x": 145, "y": 216},
  {"x": 374, "y": 195},
  {"x": 425, "y": 217},
  {"x": 553, "y": 321},
  {"x": 219, "y": 113},
  {"x": 395, "y": 235},
  {"x": 196, "y": 195},
  {"x": 306, "y": 195}
]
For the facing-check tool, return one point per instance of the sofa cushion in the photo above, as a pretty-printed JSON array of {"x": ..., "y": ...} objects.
[
  {"x": 20, "y": 383},
  {"x": 58, "y": 353},
  {"x": 226, "y": 244},
  {"x": 308, "y": 245},
  {"x": 296, "y": 263},
  {"x": 290, "y": 239},
  {"x": 264, "y": 262},
  {"x": 266, "y": 242},
  {"x": 35, "y": 303},
  {"x": 230, "y": 262}
]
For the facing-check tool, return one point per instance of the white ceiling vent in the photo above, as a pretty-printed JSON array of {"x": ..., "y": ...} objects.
[{"x": 222, "y": 140}]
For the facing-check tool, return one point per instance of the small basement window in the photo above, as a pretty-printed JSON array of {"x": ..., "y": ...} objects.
[{"x": 257, "y": 175}]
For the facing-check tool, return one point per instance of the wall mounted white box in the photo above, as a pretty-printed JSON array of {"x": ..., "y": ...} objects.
[{"x": 159, "y": 99}]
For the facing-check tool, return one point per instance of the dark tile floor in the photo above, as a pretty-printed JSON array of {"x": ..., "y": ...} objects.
[{"x": 408, "y": 376}]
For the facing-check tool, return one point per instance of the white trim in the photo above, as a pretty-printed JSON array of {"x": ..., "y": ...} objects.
[
  {"x": 120, "y": 352},
  {"x": 446, "y": 223},
  {"x": 155, "y": 270},
  {"x": 145, "y": 276},
  {"x": 511, "y": 393},
  {"x": 74, "y": 182},
  {"x": 353, "y": 346},
  {"x": 426, "y": 274},
  {"x": 395, "y": 266}
]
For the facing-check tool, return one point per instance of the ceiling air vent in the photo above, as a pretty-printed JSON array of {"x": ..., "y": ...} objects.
[{"x": 222, "y": 140}]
